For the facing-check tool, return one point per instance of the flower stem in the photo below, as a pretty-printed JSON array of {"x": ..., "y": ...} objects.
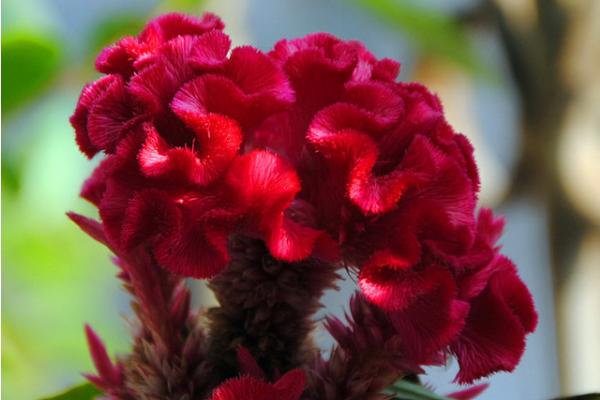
[{"x": 266, "y": 306}]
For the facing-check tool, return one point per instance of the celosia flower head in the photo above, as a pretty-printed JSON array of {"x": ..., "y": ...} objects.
[
  {"x": 317, "y": 150},
  {"x": 173, "y": 116}
]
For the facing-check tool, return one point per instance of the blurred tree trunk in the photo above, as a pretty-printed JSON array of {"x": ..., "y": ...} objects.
[{"x": 534, "y": 35}]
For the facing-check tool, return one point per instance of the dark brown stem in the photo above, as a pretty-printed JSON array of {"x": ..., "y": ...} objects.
[{"x": 266, "y": 306}]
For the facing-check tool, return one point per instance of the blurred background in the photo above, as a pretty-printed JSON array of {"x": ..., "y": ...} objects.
[{"x": 520, "y": 78}]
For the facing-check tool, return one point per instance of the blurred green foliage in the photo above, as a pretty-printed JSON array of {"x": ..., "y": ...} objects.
[
  {"x": 81, "y": 392},
  {"x": 113, "y": 28},
  {"x": 405, "y": 390},
  {"x": 30, "y": 62},
  {"x": 54, "y": 278},
  {"x": 436, "y": 33},
  {"x": 185, "y": 5}
]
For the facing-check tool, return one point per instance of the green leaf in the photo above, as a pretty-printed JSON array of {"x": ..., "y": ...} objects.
[
  {"x": 113, "y": 28},
  {"x": 30, "y": 62},
  {"x": 85, "y": 391},
  {"x": 194, "y": 6},
  {"x": 435, "y": 32},
  {"x": 405, "y": 390},
  {"x": 11, "y": 174}
]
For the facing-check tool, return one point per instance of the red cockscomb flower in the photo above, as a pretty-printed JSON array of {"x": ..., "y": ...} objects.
[
  {"x": 311, "y": 150},
  {"x": 366, "y": 148},
  {"x": 390, "y": 180},
  {"x": 173, "y": 117}
]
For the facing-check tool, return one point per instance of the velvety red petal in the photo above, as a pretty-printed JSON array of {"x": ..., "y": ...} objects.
[
  {"x": 329, "y": 48},
  {"x": 516, "y": 294},
  {"x": 423, "y": 109},
  {"x": 124, "y": 180},
  {"x": 153, "y": 87},
  {"x": 131, "y": 53},
  {"x": 265, "y": 185},
  {"x": 188, "y": 230},
  {"x": 251, "y": 89},
  {"x": 317, "y": 83},
  {"x": 386, "y": 70},
  {"x": 210, "y": 94},
  {"x": 263, "y": 182},
  {"x": 219, "y": 95},
  {"x": 195, "y": 248},
  {"x": 169, "y": 26},
  {"x": 432, "y": 319},
  {"x": 448, "y": 183},
  {"x": 326, "y": 248},
  {"x": 377, "y": 194},
  {"x": 341, "y": 117},
  {"x": 338, "y": 133},
  {"x": 79, "y": 120},
  {"x": 198, "y": 247},
  {"x": 290, "y": 241},
  {"x": 149, "y": 213},
  {"x": 112, "y": 210},
  {"x": 109, "y": 115},
  {"x": 362, "y": 71},
  {"x": 393, "y": 288},
  {"x": 351, "y": 60},
  {"x": 383, "y": 104},
  {"x": 210, "y": 50},
  {"x": 167, "y": 70},
  {"x": 493, "y": 338},
  {"x": 489, "y": 227},
  {"x": 218, "y": 141},
  {"x": 376, "y": 280},
  {"x": 445, "y": 239},
  {"x": 254, "y": 73},
  {"x": 94, "y": 186},
  {"x": 119, "y": 58},
  {"x": 467, "y": 151},
  {"x": 283, "y": 132},
  {"x": 482, "y": 259},
  {"x": 482, "y": 251},
  {"x": 318, "y": 66},
  {"x": 338, "y": 118},
  {"x": 245, "y": 387},
  {"x": 473, "y": 281},
  {"x": 247, "y": 363},
  {"x": 291, "y": 385}
]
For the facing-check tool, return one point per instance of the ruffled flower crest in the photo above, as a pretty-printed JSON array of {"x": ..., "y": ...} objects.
[{"x": 267, "y": 172}]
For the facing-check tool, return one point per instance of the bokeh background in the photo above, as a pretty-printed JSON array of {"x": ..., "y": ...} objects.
[{"x": 521, "y": 78}]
